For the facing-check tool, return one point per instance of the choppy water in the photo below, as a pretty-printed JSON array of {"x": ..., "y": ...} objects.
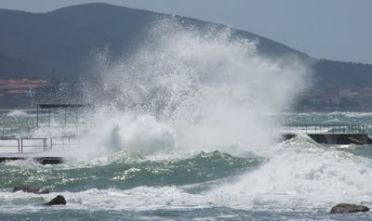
[
  {"x": 295, "y": 180},
  {"x": 183, "y": 131}
]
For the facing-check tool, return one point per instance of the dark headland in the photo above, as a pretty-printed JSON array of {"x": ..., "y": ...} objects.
[{"x": 42, "y": 54}]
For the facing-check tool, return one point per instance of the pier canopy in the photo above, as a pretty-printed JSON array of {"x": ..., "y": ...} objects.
[
  {"x": 56, "y": 106},
  {"x": 51, "y": 109}
]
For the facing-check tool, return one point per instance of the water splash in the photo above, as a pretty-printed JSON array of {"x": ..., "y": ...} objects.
[{"x": 193, "y": 89}]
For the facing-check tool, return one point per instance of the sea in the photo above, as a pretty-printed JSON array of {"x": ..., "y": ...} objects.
[
  {"x": 296, "y": 179},
  {"x": 185, "y": 127}
]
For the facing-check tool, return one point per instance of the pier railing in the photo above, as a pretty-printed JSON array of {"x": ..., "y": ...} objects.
[
  {"x": 325, "y": 129},
  {"x": 18, "y": 144},
  {"x": 54, "y": 125}
]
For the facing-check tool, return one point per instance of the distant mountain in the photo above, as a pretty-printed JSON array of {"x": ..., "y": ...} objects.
[{"x": 56, "y": 46}]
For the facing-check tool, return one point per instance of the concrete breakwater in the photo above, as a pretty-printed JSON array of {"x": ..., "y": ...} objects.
[
  {"x": 329, "y": 134},
  {"x": 359, "y": 139}
]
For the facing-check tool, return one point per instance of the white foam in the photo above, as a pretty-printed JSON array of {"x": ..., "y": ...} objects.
[
  {"x": 303, "y": 174},
  {"x": 297, "y": 175}
]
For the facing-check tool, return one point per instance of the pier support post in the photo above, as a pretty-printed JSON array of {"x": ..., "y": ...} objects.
[
  {"x": 19, "y": 146},
  {"x": 44, "y": 144},
  {"x": 37, "y": 116}
]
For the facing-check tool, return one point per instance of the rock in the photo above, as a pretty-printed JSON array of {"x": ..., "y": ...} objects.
[
  {"x": 30, "y": 189},
  {"x": 349, "y": 208},
  {"x": 58, "y": 200}
]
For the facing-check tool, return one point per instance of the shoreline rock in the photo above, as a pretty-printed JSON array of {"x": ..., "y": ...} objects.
[
  {"x": 58, "y": 200},
  {"x": 348, "y": 208}
]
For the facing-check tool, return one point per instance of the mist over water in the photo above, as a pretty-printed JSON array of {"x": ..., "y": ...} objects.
[{"x": 196, "y": 89}]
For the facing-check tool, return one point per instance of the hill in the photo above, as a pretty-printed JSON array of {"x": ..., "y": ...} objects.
[{"x": 56, "y": 46}]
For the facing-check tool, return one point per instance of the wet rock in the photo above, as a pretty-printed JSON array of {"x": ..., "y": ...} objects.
[
  {"x": 287, "y": 136},
  {"x": 349, "y": 208},
  {"x": 58, "y": 200},
  {"x": 30, "y": 189}
]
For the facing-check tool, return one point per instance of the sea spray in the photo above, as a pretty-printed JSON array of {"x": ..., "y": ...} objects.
[
  {"x": 191, "y": 90},
  {"x": 196, "y": 90}
]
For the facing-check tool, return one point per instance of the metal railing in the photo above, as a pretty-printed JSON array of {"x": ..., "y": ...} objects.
[
  {"x": 21, "y": 142},
  {"x": 54, "y": 125},
  {"x": 16, "y": 139},
  {"x": 46, "y": 143},
  {"x": 325, "y": 129}
]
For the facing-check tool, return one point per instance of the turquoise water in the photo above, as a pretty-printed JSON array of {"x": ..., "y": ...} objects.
[
  {"x": 292, "y": 180},
  {"x": 217, "y": 213}
]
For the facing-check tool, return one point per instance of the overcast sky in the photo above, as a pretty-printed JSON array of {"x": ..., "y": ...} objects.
[{"x": 334, "y": 29}]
